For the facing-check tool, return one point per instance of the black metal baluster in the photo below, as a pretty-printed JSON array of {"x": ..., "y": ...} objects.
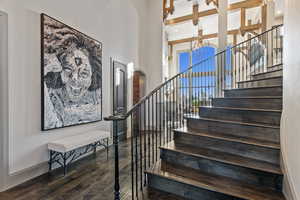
[
  {"x": 169, "y": 112},
  {"x": 181, "y": 102},
  {"x": 173, "y": 107},
  {"x": 145, "y": 142},
  {"x": 198, "y": 77},
  {"x": 243, "y": 63},
  {"x": 134, "y": 135},
  {"x": 277, "y": 46},
  {"x": 248, "y": 63},
  {"x": 190, "y": 91},
  {"x": 148, "y": 134},
  {"x": 219, "y": 74},
  {"x": 224, "y": 71},
  {"x": 156, "y": 127},
  {"x": 132, "y": 163},
  {"x": 263, "y": 54},
  {"x": 235, "y": 70},
  {"x": 164, "y": 114},
  {"x": 141, "y": 145},
  {"x": 207, "y": 71},
  {"x": 272, "y": 48},
  {"x": 116, "y": 145},
  {"x": 152, "y": 128},
  {"x": 268, "y": 50},
  {"x": 160, "y": 117},
  {"x": 183, "y": 99},
  {"x": 240, "y": 70},
  {"x": 176, "y": 103}
]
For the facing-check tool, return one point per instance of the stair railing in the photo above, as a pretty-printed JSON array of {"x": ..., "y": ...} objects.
[{"x": 151, "y": 121}]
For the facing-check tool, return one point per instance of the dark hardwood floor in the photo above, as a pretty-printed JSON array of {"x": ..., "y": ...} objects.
[{"x": 88, "y": 179}]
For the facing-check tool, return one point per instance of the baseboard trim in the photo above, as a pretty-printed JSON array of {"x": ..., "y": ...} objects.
[
  {"x": 25, "y": 175},
  {"x": 289, "y": 189}
]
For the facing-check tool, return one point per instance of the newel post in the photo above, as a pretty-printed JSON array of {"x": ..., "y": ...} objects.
[{"x": 117, "y": 171}]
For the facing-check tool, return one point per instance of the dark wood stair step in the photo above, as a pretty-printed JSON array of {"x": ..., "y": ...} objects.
[
  {"x": 233, "y": 138},
  {"x": 239, "y": 168},
  {"x": 275, "y": 90},
  {"x": 268, "y": 74},
  {"x": 274, "y": 67},
  {"x": 251, "y": 115},
  {"x": 249, "y": 102},
  {"x": 239, "y": 129},
  {"x": 209, "y": 182},
  {"x": 225, "y": 158},
  {"x": 232, "y": 122},
  {"x": 264, "y": 82},
  {"x": 155, "y": 194}
]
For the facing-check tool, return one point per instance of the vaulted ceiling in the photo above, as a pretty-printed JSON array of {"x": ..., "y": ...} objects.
[{"x": 209, "y": 24}]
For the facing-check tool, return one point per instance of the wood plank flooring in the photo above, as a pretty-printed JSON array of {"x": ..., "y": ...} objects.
[{"x": 88, "y": 179}]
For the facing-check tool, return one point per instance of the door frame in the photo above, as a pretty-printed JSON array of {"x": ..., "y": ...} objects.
[{"x": 112, "y": 62}]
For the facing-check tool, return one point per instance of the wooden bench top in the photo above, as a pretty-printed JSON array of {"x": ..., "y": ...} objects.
[{"x": 73, "y": 142}]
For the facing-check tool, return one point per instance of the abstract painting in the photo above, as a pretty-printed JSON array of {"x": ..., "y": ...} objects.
[{"x": 71, "y": 76}]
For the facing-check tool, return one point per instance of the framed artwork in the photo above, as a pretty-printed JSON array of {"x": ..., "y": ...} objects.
[{"x": 71, "y": 76}]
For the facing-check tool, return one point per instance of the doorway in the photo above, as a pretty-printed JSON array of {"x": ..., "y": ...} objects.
[{"x": 120, "y": 95}]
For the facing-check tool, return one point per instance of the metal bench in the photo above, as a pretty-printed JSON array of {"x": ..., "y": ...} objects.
[{"x": 65, "y": 151}]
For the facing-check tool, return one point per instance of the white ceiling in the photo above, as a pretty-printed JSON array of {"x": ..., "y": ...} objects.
[{"x": 209, "y": 24}]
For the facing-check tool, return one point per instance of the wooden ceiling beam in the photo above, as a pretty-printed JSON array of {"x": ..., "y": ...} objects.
[
  {"x": 215, "y": 35},
  {"x": 235, "y": 6},
  {"x": 245, "y": 4},
  {"x": 190, "y": 17}
]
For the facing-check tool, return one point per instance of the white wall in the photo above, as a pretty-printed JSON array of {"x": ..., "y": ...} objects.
[
  {"x": 154, "y": 45},
  {"x": 119, "y": 24},
  {"x": 4, "y": 99},
  {"x": 290, "y": 129}
]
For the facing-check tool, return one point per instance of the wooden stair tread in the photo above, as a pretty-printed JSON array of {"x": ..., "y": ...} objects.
[
  {"x": 225, "y": 158},
  {"x": 258, "y": 97},
  {"x": 260, "y": 79},
  {"x": 231, "y": 122},
  {"x": 260, "y": 87},
  {"x": 277, "y": 65},
  {"x": 233, "y": 138},
  {"x": 276, "y": 70},
  {"x": 154, "y": 194},
  {"x": 220, "y": 184},
  {"x": 243, "y": 109}
]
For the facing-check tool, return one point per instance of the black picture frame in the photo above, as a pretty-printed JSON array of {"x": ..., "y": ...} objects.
[{"x": 42, "y": 39}]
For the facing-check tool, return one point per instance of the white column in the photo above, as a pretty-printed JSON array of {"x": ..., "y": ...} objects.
[
  {"x": 270, "y": 14},
  {"x": 222, "y": 24},
  {"x": 222, "y": 44},
  {"x": 270, "y": 21}
]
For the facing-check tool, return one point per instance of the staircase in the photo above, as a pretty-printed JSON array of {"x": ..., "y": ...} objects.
[{"x": 231, "y": 150}]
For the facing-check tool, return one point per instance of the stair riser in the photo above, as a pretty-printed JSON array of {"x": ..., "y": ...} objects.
[
  {"x": 267, "y": 75},
  {"x": 248, "y": 116},
  {"x": 254, "y": 92},
  {"x": 263, "y": 133},
  {"x": 243, "y": 174},
  {"x": 275, "y": 103},
  {"x": 184, "y": 190},
  {"x": 250, "y": 151},
  {"x": 261, "y": 83}
]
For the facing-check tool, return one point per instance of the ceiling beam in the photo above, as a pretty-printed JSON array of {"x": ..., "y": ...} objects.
[
  {"x": 190, "y": 17},
  {"x": 215, "y": 35},
  {"x": 243, "y": 4}
]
